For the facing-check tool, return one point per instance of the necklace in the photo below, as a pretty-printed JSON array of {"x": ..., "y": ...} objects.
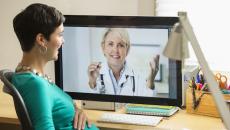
[{"x": 22, "y": 68}]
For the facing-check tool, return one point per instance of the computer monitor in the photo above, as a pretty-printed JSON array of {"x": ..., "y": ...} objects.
[{"x": 148, "y": 36}]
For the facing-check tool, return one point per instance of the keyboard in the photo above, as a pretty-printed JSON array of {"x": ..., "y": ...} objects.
[{"x": 130, "y": 119}]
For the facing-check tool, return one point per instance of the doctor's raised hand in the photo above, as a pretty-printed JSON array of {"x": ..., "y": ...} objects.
[
  {"x": 93, "y": 73},
  {"x": 154, "y": 68}
]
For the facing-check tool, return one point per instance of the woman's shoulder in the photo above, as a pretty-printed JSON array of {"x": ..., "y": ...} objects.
[{"x": 28, "y": 80}]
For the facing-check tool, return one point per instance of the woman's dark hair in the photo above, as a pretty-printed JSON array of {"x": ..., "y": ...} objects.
[{"x": 36, "y": 18}]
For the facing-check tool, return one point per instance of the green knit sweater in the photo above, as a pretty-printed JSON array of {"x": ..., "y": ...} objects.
[{"x": 49, "y": 107}]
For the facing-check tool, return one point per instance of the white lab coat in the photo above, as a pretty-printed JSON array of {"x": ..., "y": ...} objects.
[{"x": 128, "y": 85}]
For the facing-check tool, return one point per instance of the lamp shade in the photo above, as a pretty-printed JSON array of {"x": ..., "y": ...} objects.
[{"x": 176, "y": 47}]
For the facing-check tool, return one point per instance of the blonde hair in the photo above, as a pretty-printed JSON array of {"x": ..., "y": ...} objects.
[{"x": 123, "y": 33}]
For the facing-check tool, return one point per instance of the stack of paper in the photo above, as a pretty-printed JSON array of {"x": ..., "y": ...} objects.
[{"x": 144, "y": 109}]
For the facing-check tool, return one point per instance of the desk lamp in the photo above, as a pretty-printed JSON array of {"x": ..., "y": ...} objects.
[{"x": 175, "y": 49}]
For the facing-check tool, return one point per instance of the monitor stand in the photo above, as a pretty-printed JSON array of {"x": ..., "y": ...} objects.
[{"x": 98, "y": 105}]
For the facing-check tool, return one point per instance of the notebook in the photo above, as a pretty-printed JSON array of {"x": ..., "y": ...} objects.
[{"x": 156, "y": 110}]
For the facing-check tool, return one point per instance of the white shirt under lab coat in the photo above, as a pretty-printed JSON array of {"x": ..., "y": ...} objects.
[{"x": 130, "y": 83}]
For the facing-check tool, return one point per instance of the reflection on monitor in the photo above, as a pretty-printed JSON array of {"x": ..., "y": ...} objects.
[{"x": 114, "y": 58}]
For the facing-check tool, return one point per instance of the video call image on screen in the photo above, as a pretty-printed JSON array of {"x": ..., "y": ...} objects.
[{"x": 83, "y": 46}]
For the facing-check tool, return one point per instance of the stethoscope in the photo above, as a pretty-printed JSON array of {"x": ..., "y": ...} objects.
[{"x": 103, "y": 90}]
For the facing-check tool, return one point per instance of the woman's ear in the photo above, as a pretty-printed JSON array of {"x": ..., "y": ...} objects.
[
  {"x": 40, "y": 40},
  {"x": 127, "y": 51}
]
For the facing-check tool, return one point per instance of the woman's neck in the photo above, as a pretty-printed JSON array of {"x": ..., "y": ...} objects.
[
  {"x": 34, "y": 61},
  {"x": 116, "y": 71}
]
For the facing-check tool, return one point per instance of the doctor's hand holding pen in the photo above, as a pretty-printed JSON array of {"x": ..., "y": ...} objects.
[
  {"x": 93, "y": 73},
  {"x": 154, "y": 67}
]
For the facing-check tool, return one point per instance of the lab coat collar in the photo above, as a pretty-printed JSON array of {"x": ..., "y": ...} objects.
[{"x": 127, "y": 70}]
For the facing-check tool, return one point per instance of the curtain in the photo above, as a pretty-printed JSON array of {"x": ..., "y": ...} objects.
[{"x": 210, "y": 21}]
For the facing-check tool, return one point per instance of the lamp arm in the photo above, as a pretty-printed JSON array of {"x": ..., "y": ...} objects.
[{"x": 213, "y": 86}]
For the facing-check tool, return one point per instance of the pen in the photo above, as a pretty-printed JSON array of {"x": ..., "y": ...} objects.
[
  {"x": 193, "y": 83},
  {"x": 99, "y": 65}
]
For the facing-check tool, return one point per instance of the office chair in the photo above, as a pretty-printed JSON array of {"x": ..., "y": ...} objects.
[{"x": 19, "y": 104}]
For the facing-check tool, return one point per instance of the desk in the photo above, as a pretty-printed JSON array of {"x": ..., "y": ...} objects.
[
  {"x": 180, "y": 121},
  {"x": 7, "y": 111}
]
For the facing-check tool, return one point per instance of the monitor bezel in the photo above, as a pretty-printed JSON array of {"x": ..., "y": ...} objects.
[{"x": 116, "y": 21}]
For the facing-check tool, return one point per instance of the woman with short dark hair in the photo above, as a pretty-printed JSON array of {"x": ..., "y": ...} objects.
[{"x": 39, "y": 29}]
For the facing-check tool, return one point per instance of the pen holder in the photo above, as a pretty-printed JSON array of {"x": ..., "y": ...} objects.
[{"x": 206, "y": 105}]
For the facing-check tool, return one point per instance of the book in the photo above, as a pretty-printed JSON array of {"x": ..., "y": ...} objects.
[{"x": 153, "y": 110}]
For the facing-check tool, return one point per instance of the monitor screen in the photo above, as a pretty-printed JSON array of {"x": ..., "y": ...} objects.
[{"x": 118, "y": 59}]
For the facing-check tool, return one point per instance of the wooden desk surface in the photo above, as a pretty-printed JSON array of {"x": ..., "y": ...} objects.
[
  {"x": 180, "y": 121},
  {"x": 7, "y": 111}
]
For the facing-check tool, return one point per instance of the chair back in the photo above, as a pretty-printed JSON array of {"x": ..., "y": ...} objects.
[{"x": 21, "y": 110}]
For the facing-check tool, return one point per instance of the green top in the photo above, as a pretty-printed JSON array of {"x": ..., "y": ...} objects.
[{"x": 49, "y": 107}]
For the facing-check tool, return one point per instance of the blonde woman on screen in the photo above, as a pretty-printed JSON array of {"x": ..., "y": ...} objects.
[{"x": 115, "y": 76}]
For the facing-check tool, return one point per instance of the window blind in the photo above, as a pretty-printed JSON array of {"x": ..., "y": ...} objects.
[{"x": 210, "y": 21}]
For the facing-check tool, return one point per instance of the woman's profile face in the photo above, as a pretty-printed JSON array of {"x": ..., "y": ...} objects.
[
  {"x": 55, "y": 42},
  {"x": 115, "y": 49}
]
